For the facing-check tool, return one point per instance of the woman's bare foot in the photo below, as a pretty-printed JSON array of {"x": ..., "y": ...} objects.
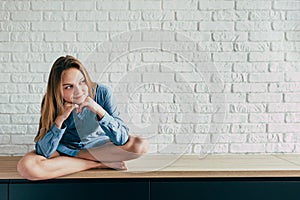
[{"x": 120, "y": 165}]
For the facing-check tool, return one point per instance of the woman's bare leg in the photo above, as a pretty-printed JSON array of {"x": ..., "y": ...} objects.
[
  {"x": 134, "y": 148},
  {"x": 36, "y": 167}
]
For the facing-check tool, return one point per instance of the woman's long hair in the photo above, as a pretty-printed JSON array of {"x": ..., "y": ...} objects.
[{"x": 52, "y": 103}]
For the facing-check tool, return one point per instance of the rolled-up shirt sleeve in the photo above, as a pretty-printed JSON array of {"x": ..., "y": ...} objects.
[
  {"x": 48, "y": 144},
  {"x": 111, "y": 123}
]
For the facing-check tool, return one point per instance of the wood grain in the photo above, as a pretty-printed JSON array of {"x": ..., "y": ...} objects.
[{"x": 186, "y": 166}]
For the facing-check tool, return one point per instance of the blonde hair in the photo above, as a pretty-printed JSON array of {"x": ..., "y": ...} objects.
[{"x": 52, "y": 103}]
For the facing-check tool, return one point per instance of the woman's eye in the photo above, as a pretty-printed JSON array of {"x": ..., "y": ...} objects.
[{"x": 68, "y": 87}]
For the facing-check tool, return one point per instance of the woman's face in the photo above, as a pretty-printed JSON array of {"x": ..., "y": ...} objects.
[{"x": 74, "y": 86}]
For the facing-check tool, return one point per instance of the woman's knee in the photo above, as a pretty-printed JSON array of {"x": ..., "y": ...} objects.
[
  {"x": 138, "y": 145},
  {"x": 30, "y": 167}
]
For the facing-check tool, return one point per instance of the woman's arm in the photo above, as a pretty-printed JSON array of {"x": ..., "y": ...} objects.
[{"x": 48, "y": 144}]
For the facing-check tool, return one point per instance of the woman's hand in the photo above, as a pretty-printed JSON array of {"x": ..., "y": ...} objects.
[
  {"x": 91, "y": 105},
  {"x": 68, "y": 107}
]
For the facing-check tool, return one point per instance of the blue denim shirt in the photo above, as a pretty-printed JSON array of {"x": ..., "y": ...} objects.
[{"x": 83, "y": 130}]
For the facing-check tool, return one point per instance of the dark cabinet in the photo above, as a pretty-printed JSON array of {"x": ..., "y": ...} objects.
[
  {"x": 224, "y": 189},
  {"x": 80, "y": 189},
  {"x": 3, "y": 191}
]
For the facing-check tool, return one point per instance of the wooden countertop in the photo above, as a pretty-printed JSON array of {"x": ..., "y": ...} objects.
[{"x": 186, "y": 166}]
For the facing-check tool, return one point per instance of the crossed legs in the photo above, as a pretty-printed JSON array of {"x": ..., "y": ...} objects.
[{"x": 36, "y": 167}]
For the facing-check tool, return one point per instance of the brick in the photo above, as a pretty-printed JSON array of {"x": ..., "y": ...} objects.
[
  {"x": 192, "y": 138},
  {"x": 293, "y": 36},
  {"x": 233, "y": 98},
  {"x": 180, "y": 5},
  {"x": 38, "y": 88},
  {"x": 230, "y": 118},
  {"x": 285, "y": 87},
  {"x": 230, "y": 36},
  {"x": 159, "y": 36},
  {"x": 60, "y": 36},
  {"x": 253, "y": 87},
  {"x": 11, "y": 129},
  {"x": 4, "y": 15},
  {"x": 4, "y": 68},
  {"x": 216, "y": 5},
  {"x": 161, "y": 139},
  {"x": 266, "y": 118},
  {"x": 180, "y": 25},
  {"x": 16, "y": 5},
  {"x": 266, "y": 36},
  {"x": 230, "y": 15},
  {"x": 113, "y": 5},
  {"x": 92, "y": 37},
  {"x": 12, "y": 26},
  {"x": 79, "y": 5},
  {"x": 266, "y": 15},
  {"x": 292, "y": 97},
  {"x": 4, "y": 78},
  {"x": 4, "y": 37},
  {"x": 266, "y": 77},
  {"x": 191, "y": 98},
  {"x": 264, "y": 98},
  {"x": 43, "y": 5},
  {"x": 27, "y": 57},
  {"x": 281, "y": 148},
  {"x": 14, "y": 46},
  {"x": 112, "y": 26},
  {"x": 251, "y": 46},
  {"x": 266, "y": 56},
  {"x": 233, "y": 57},
  {"x": 293, "y": 15},
  {"x": 13, "y": 149},
  {"x": 193, "y": 15},
  {"x": 158, "y": 77},
  {"x": 157, "y": 98},
  {"x": 253, "y": 26},
  {"x": 13, "y": 108},
  {"x": 25, "y": 119},
  {"x": 4, "y": 139},
  {"x": 47, "y": 26},
  {"x": 145, "y": 5},
  {"x": 248, "y": 108},
  {"x": 285, "y": 46},
  {"x": 193, "y": 118},
  {"x": 79, "y": 47},
  {"x": 174, "y": 148},
  {"x": 250, "y": 67},
  {"x": 26, "y": 16},
  {"x": 247, "y": 148},
  {"x": 292, "y": 56},
  {"x": 215, "y": 46},
  {"x": 154, "y": 15},
  {"x": 206, "y": 149},
  {"x": 283, "y": 107},
  {"x": 286, "y": 26},
  {"x": 229, "y": 138},
  {"x": 27, "y": 78},
  {"x": 47, "y": 47},
  {"x": 157, "y": 57},
  {"x": 26, "y": 37},
  {"x": 287, "y": 5},
  {"x": 143, "y": 25},
  {"x": 248, "y": 128},
  {"x": 192, "y": 36},
  {"x": 59, "y": 16},
  {"x": 284, "y": 66},
  {"x": 125, "y": 15},
  {"x": 13, "y": 88},
  {"x": 80, "y": 26},
  {"x": 292, "y": 76},
  {"x": 25, "y": 98},
  {"x": 216, "y": 26},
  {"x": 292, "y": 117},
  {"x": 284, "y": 128},
  {"x": 253, "y": 5},
  {"x": 24, "y": 139},
  {"x": 4, "y": 98}
]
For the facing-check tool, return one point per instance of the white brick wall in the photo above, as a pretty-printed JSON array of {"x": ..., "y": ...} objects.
[{"x": 194, "y": 76}]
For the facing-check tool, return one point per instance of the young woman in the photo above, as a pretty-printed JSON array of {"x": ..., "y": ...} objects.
[{"x": 79, "y": 128}]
